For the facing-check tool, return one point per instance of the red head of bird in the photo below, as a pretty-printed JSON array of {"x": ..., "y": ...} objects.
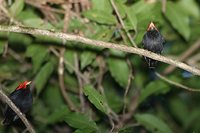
[{"x": 23, "y": 85}]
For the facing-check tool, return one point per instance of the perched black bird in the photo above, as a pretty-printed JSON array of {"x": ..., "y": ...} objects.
[
  {"x": 22, "y": 98},
  {"x": 152, "y": 41}
]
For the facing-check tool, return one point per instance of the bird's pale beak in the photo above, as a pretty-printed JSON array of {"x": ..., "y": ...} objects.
[
  {"x": 151, "y": 26},
  {"x": 29, "y": 82}
]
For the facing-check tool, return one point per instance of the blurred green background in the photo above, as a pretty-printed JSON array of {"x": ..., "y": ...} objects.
[{"x": 95, "y": 79}]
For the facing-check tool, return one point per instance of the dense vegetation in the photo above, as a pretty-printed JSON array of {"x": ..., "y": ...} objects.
[{"x": 90, "y": 96}]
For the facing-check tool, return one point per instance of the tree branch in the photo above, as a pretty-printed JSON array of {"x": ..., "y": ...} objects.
[
  {"x": 176, "y": 84},
  {"x": 184, "y": 56},
  {"x": 4, "y": 98},
  {"x": 91, "y": 42}
]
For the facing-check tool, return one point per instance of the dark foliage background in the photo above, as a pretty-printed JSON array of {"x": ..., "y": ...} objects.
[{"x": 95, "y": 79}]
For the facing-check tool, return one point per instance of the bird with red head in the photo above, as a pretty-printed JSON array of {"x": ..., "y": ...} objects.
[{"x": 22, "y": 98}]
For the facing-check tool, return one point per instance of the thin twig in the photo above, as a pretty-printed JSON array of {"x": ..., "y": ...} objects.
[
  {"x": 126, "y": 117},
  {"x": 4, "y": 98},
  {"x": 4, "y": 10},
  {"x": 122, "y": 23},
  {"x": 111, "y": 123},
  {"x": 184, "y": 56},
  {"x": 176, "y": 84},
  {"x": 112, "y": 116},
  {"x": 61, "y": 81},
  {"x": 7, "y": 13},
  {"x": 65, "y": 28},
  {"x": 164, "y": 2},
  {"x": 15, "y": 55},
  {"x": 99, "y": 79},
  {"x": 123, "y": 36},
  {"x": 194, "y": 60},
  {"x": 128, "y": 85},
  {"x": 67, "y": 17},
  {"x": 80, "y": 82},
  {"x": 91, "y": 42},
  {"x": 61, "y": 61},
  {"x": 85, "y": 4},
  {"x": 76, "y": 6},
  {"x": 53, "y": 50}
]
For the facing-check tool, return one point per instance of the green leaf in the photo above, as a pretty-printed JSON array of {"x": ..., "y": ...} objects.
[
  {"x": 4, "y": 34},
  {"x": 126, "y": 129},
  {"x": 140, "y": 6},
  {"x": 192, "y": 121},
  {"x": 86, "y": 58},
  {"x": 121, "y": 8},
  {"x": 6, "y": 72},
  {"x": 80, "y": 121},
  {"x": 117, "y": 53},
  {"x": 43, "y": 76},
  {"x": 38, "y": 54},
  {"x": 113, "y": 98},
  {"x": 69, "y": 57},
  {"x": 155, "y": 87},
  {"x": 74, "y": 24},
  {"x": 31, "y": 19},
  {"x": 100, "y": 16},
  {"x": 39, "y": 112},
  {"x": 130, "y": 19},
  {"x": 58, "y": 115},
  {"x": 27, "y": 13},
  {"x": 140, "y": 79},
  {"x": 48, "y": 39},
  {"x": 193, "y": 10},
  {"x": 95, "y": 98},
  {"x": 57, "y": 100},
  {"x": 119, "y": 70},
  {"x": 31, "y": 50},
  {"x": 153, "y": 123},
  {"x": 2, "y": 43},
  {"x": 103, "y": 5},
  {"x": 33, "y": 22},
  {"x": 16, "y": 7},
  {"x": 71, "y": 82},
  {"x": 17, "y": 39},
  {"x": 131, "y": 22},
  {"x": 102, "y": 33},
  {"x": 176, "y": 104},
  {"x": 87, "y": 130},
  {"x": 178, "y": 19},
  {"x": 38, "y": 23}
]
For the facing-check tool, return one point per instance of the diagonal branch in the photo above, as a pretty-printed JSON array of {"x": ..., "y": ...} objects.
[
  {"x": 177, "y": 84},
  {"x": 184, "y": 56},
  {"x": 91, "y": 42},
  {"x": 4, "y": 98}
]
